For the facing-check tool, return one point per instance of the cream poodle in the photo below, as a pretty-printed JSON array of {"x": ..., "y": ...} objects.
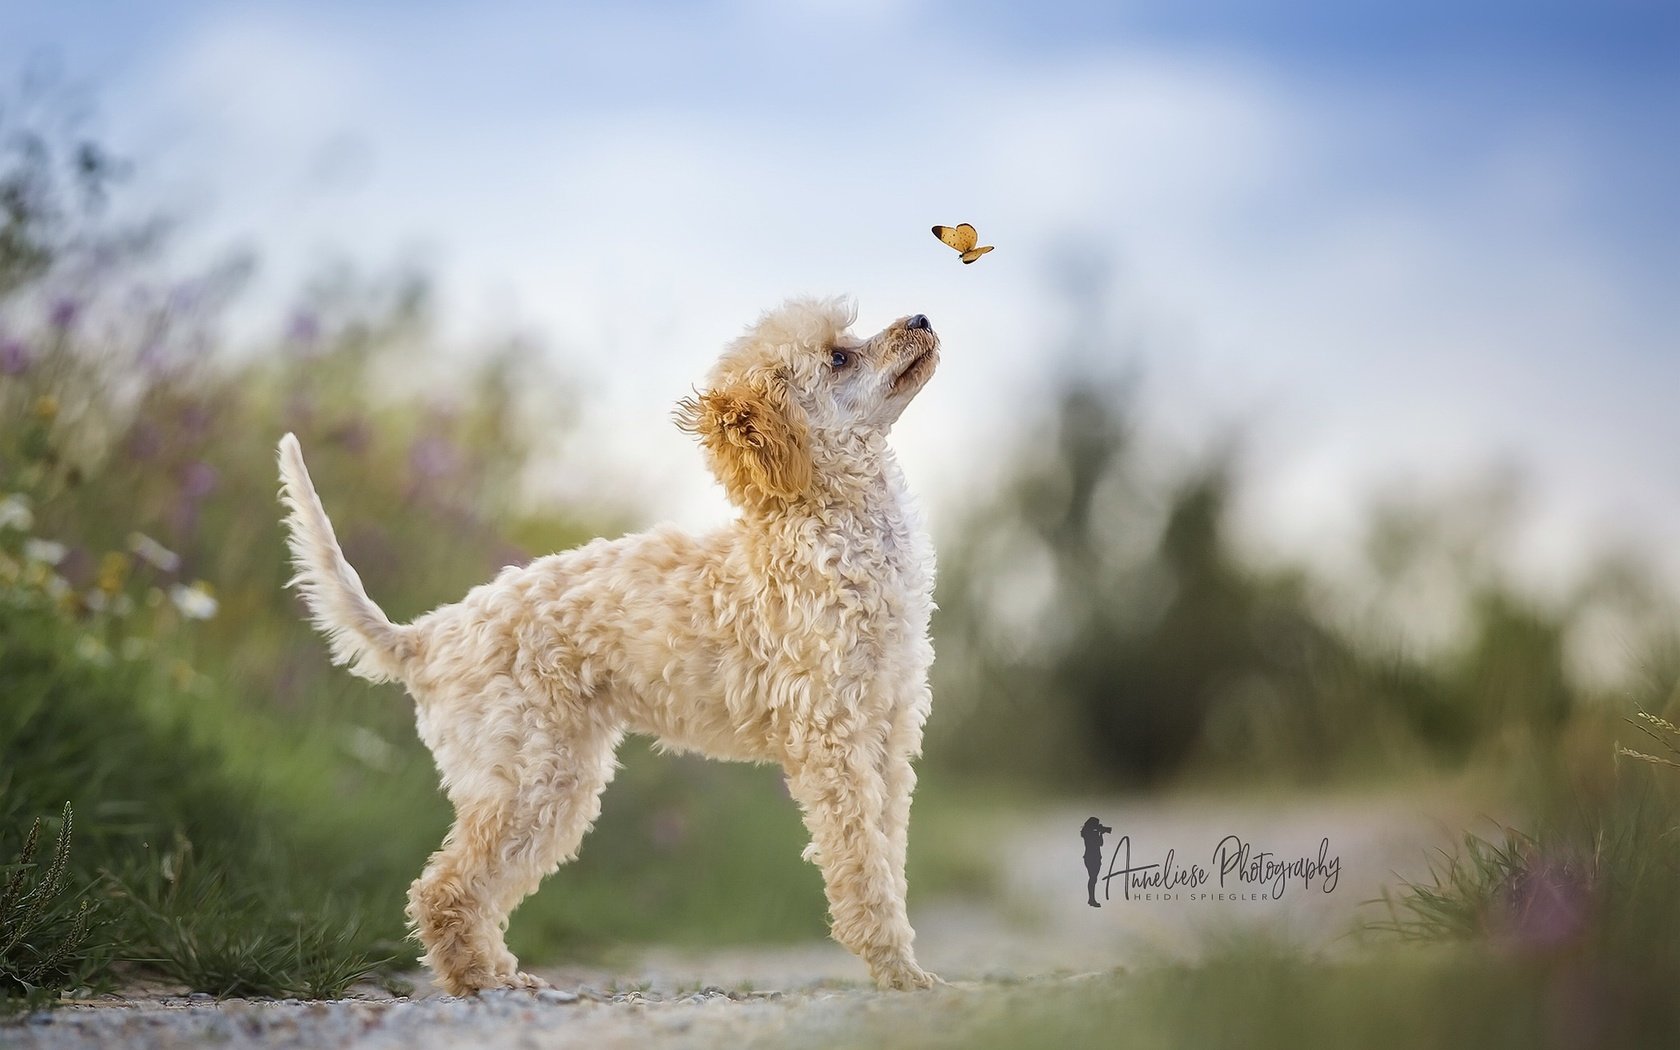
[{"x": 797, "y": 634}]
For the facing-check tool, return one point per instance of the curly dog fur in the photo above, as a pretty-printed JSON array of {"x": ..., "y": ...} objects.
[{"x": 797, "y": 634}]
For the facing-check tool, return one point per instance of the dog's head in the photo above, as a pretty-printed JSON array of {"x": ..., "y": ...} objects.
[{"x": 798, "y": 394}]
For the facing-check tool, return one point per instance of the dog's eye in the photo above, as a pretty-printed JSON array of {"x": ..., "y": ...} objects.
[{"x": 839, "y": 358}]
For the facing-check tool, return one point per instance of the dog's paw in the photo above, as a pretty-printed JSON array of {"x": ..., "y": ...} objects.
[
  {"x": 529, "y": 982},
  {"x": 509, "y": 978},
  {"x": 905, "y": 976}
]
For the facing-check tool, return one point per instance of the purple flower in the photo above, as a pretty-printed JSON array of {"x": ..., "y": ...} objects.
[
  {"x": 15, "y": 359},
  {"x": 195, "y": 419},
  {"x": 145, "y": 440},
  {"x": 1544, "y": 907},
  {"x": 303, "y": 328},
  {"x": 153, "y": 357},
  {"x": 64, "y": 313},
  {"x": 432, "y": 456},
  {"x": 198, "y": 481},
  {"x": 185, "y": 296}
]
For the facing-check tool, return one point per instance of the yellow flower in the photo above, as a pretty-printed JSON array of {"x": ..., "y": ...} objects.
[
  {"x": 113, "y": 571},
  {"x": 46, "y": 407}
]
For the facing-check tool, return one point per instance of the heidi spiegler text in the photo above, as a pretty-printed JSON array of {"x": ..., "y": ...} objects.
[{"x": 1237, "y": 871}]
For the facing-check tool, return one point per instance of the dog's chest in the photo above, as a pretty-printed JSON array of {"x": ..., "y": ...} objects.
[{"x": 886, "y": 572}]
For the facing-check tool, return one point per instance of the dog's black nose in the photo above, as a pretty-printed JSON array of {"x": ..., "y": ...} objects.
[{"x": 919, "y": 322}]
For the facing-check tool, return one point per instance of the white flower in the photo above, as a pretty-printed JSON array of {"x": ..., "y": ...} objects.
[
  {"x": 369, "y": 748},
  {"x": 15, "y": 513},
  {"x": 93, "y": 650},
  {"x": 195, "y": 602},
  {"x": 45, "y": 551},
  {"x": 153, "y": 553}
]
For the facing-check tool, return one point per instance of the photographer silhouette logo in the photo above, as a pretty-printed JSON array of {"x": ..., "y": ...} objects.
[{"x": 1093, "y": 833}]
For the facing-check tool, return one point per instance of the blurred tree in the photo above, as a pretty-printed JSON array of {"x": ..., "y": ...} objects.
[
  {"x": 1097, "y": 626},
  {"x": 1142, "y": 621}
]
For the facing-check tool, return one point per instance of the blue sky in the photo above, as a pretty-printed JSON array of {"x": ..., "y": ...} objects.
[{"x": 1392, "y": 242}]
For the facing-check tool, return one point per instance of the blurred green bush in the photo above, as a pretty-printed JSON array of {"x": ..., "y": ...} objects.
[{"x": 1098, "y": 626}]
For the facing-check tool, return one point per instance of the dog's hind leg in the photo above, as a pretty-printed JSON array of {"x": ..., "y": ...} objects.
[
  {"x": 564, "y": 800},
  {"x": 498, "y": 853},
  {"x": 449, "y": 905}
]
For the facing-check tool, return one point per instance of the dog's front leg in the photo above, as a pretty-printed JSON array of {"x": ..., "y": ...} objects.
[
  {"x": 898, "y": 777},
  {"x": 842, "y": 793}
]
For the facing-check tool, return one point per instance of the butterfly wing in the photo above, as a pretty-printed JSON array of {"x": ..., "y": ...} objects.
[
  {"x": 961, "y": 237},
  {"x": 975, "y": 253}
]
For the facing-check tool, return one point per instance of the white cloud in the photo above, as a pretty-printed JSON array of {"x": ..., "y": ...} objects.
[{"x": 639, "y": 192}]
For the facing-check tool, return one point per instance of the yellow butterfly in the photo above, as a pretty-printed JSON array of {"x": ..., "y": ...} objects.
[{"x": 963, "y": 239}]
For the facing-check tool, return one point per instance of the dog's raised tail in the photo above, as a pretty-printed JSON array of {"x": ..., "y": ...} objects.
[{"x": 357, "y": 630}]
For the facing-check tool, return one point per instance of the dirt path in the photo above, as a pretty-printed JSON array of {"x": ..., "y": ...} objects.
[{"x": 1035, "y": 926}]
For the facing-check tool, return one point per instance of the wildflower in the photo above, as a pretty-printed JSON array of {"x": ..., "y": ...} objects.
[
  {"x": 432, "y": 456},
  {"x": 185, "y": 296},
  {"x": 14, "y": 358},
  {"x": 46, "y": 408},
  {"x": 15, "y": 513},
  {"x": 195, "y": 602},
  {"x": 182, "y": 674},
  {"x": 199, "y": 480},
  {"x": 193, "y": 418},
  {"x": 145, "y": 440},
  {"x": 153, "y": 357},
  {"x": 113, "y": 570},
  {"x": 64, "y": 313},
  {"x": 153, "y": 553},
  {"x": 1545, "y": 905},
  {"x": 44, "y": 551},
  {"x": 303, "y": 328},
  {"x": 92, "y": 650},
  {"x": 369, "y": 748}
]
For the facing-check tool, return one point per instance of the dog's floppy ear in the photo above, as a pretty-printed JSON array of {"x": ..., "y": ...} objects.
[{"x": 757, "y": 439}]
